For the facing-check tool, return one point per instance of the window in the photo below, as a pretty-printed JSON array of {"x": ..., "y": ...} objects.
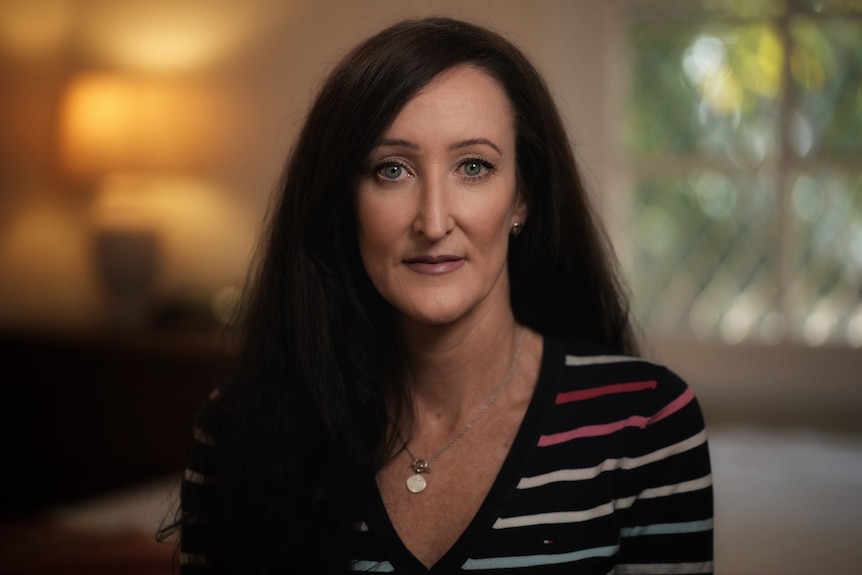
[{"x": 743, "y": 133}]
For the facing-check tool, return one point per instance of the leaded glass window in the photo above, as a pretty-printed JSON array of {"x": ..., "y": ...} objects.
[{"x": 743, "y": 130}]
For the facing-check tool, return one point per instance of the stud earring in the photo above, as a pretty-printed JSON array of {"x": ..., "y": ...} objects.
[{"x": 517, "y": 228}]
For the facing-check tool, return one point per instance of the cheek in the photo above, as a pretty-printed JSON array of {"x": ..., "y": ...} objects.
[
  {"x": 375, "y": 238},
  {"x": 490, "y": 224}
]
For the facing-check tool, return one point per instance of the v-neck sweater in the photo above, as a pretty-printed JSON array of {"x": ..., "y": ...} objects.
[{"x": 609, "y": 472}]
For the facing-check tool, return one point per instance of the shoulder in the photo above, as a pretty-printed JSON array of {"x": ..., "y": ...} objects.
[
  {"x": 609, "y": 380},
  {"x": 607, "y": 405}
]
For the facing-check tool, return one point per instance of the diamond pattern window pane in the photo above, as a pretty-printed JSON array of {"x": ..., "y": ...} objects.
[
  {"x": 827, "y": 210},
  {"x": 744, "y": 133},
  {"x": 704, "y": 259}
]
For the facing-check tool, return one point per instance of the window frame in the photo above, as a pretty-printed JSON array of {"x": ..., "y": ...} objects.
[{"x": 787, "y": 383}]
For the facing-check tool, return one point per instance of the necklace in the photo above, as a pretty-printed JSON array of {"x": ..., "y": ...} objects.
[{"x": 416, "y": 483}]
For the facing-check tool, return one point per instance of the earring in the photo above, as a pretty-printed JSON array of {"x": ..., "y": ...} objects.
[{"x": 517, "y": 228}]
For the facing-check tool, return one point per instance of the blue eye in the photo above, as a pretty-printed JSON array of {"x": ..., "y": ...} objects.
[
  {"x": 391, "y": 171},
  {"x": 476, "y": 169},
  {"x": 473, "y": 168}
]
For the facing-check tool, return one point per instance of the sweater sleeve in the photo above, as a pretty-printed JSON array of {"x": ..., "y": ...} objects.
[
  {"x": 665, "y": 506},
  {"x": 195, "y": 493}
]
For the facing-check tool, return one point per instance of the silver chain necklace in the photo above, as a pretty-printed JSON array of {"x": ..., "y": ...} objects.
[{"x": 416, "y": 483}]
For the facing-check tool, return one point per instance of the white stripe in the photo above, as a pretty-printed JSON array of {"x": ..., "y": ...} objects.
[
  {"x": 193, "y": 559},
  {"x": 668, "y": 528},
  {"x": 665, "y": 452},
  {"x": 664, "y": 491},
  {"x": 372, "y": 566},
  {"x": 524, "y": 561},
  {"x": 600, "y": 359},
  {"x": 553, "y": 518},
  {"x": 561, "y": 475},
  {"x": 194, "y": 477},
  {"x": 663, "y": 568},
  {"x": 202, "y": 437},
  {"x": 585, "y": 473}
]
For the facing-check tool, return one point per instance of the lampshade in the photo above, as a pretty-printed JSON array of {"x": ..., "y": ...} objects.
[{"x": 125, "y": 123}]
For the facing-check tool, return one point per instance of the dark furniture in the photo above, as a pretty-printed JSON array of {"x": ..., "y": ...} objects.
[{"x": 85, "y": 413}]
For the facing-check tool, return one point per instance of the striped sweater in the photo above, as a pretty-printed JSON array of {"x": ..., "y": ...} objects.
[{"x": 609, "y": 473}]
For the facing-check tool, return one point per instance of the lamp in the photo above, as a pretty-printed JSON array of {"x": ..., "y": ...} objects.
[
  {"x": 124, "y": 123},
  {"x": 121, "y": 135}
]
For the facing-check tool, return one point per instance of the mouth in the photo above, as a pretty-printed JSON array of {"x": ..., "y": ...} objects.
[
  {"x": 433, "y": 259},
  {"x": 435, "y": 265}
]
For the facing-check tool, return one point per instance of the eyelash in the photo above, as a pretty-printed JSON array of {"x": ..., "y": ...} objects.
[
  {"x": 384, "y": 164},
  {"x": 489, "y": 168}
]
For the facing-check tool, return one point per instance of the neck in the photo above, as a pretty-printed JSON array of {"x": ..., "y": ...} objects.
[{"x": 456, "y": 368}]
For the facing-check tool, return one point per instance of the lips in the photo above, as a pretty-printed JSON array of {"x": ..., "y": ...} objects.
[
  {"x": 434, "y": 265},
  {"x": 432, "y": 259}
]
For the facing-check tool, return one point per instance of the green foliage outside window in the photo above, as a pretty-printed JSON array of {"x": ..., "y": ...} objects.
[{"x": 744, "y": 131}]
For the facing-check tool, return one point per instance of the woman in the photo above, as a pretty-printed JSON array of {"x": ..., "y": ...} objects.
[{"x": 436, "y": 371}]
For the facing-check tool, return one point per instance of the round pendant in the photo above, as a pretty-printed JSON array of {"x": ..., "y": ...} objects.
[{"x": 416, "y": 483}]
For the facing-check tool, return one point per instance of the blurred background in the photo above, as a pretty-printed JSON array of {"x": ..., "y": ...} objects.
[{"x": 140, "y": 144}]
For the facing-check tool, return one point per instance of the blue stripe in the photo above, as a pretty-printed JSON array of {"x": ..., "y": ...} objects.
[
  {"x": 373, "y": 566},
  {"x": 667, "y": 528},
  {"x": 536, "y": 560}
]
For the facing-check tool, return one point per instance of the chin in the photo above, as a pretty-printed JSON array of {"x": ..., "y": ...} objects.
[
  {"x": 434, "y": 315},
  {"x": 434, "y": 319}
]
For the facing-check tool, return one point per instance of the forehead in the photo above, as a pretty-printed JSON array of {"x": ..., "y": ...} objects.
[{"x": 461, "y": 102}]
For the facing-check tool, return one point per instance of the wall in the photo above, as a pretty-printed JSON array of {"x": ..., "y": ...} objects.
[{"x": 263, "y": 59}]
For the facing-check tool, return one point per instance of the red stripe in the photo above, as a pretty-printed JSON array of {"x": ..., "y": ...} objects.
[
  {"x": 673, "y": 406},
  {"x": 608, "y": 428},
  {"x": 592, "y": 392}
]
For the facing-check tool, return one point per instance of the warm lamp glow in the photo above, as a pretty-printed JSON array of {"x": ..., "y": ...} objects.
[
  {"x": 113, "y": 123},
  {"x": 44, "y": 266},
  {"x": 154, "y": 36},
  {"x": 35, "y": 28},
  {"x": 166, "y": 35},
  {"x": 205, "y": 236}
]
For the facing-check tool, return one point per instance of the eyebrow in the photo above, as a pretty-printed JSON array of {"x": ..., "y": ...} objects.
[{"x": 455, "y": 146}]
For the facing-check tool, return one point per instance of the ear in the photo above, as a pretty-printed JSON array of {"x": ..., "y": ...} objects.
[{"x": 519, "y": 214}]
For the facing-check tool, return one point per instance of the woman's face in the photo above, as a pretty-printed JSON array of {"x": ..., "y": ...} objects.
[{"x": 437, "y": 201}]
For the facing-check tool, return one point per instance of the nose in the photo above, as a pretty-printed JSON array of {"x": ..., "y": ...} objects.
[{"x": 434, "y": 215}]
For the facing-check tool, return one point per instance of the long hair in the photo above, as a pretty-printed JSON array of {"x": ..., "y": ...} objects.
[{"x": 305, "y": 424}]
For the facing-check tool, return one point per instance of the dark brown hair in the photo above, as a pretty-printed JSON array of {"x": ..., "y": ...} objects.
[{"x": 320, "y": 368}]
